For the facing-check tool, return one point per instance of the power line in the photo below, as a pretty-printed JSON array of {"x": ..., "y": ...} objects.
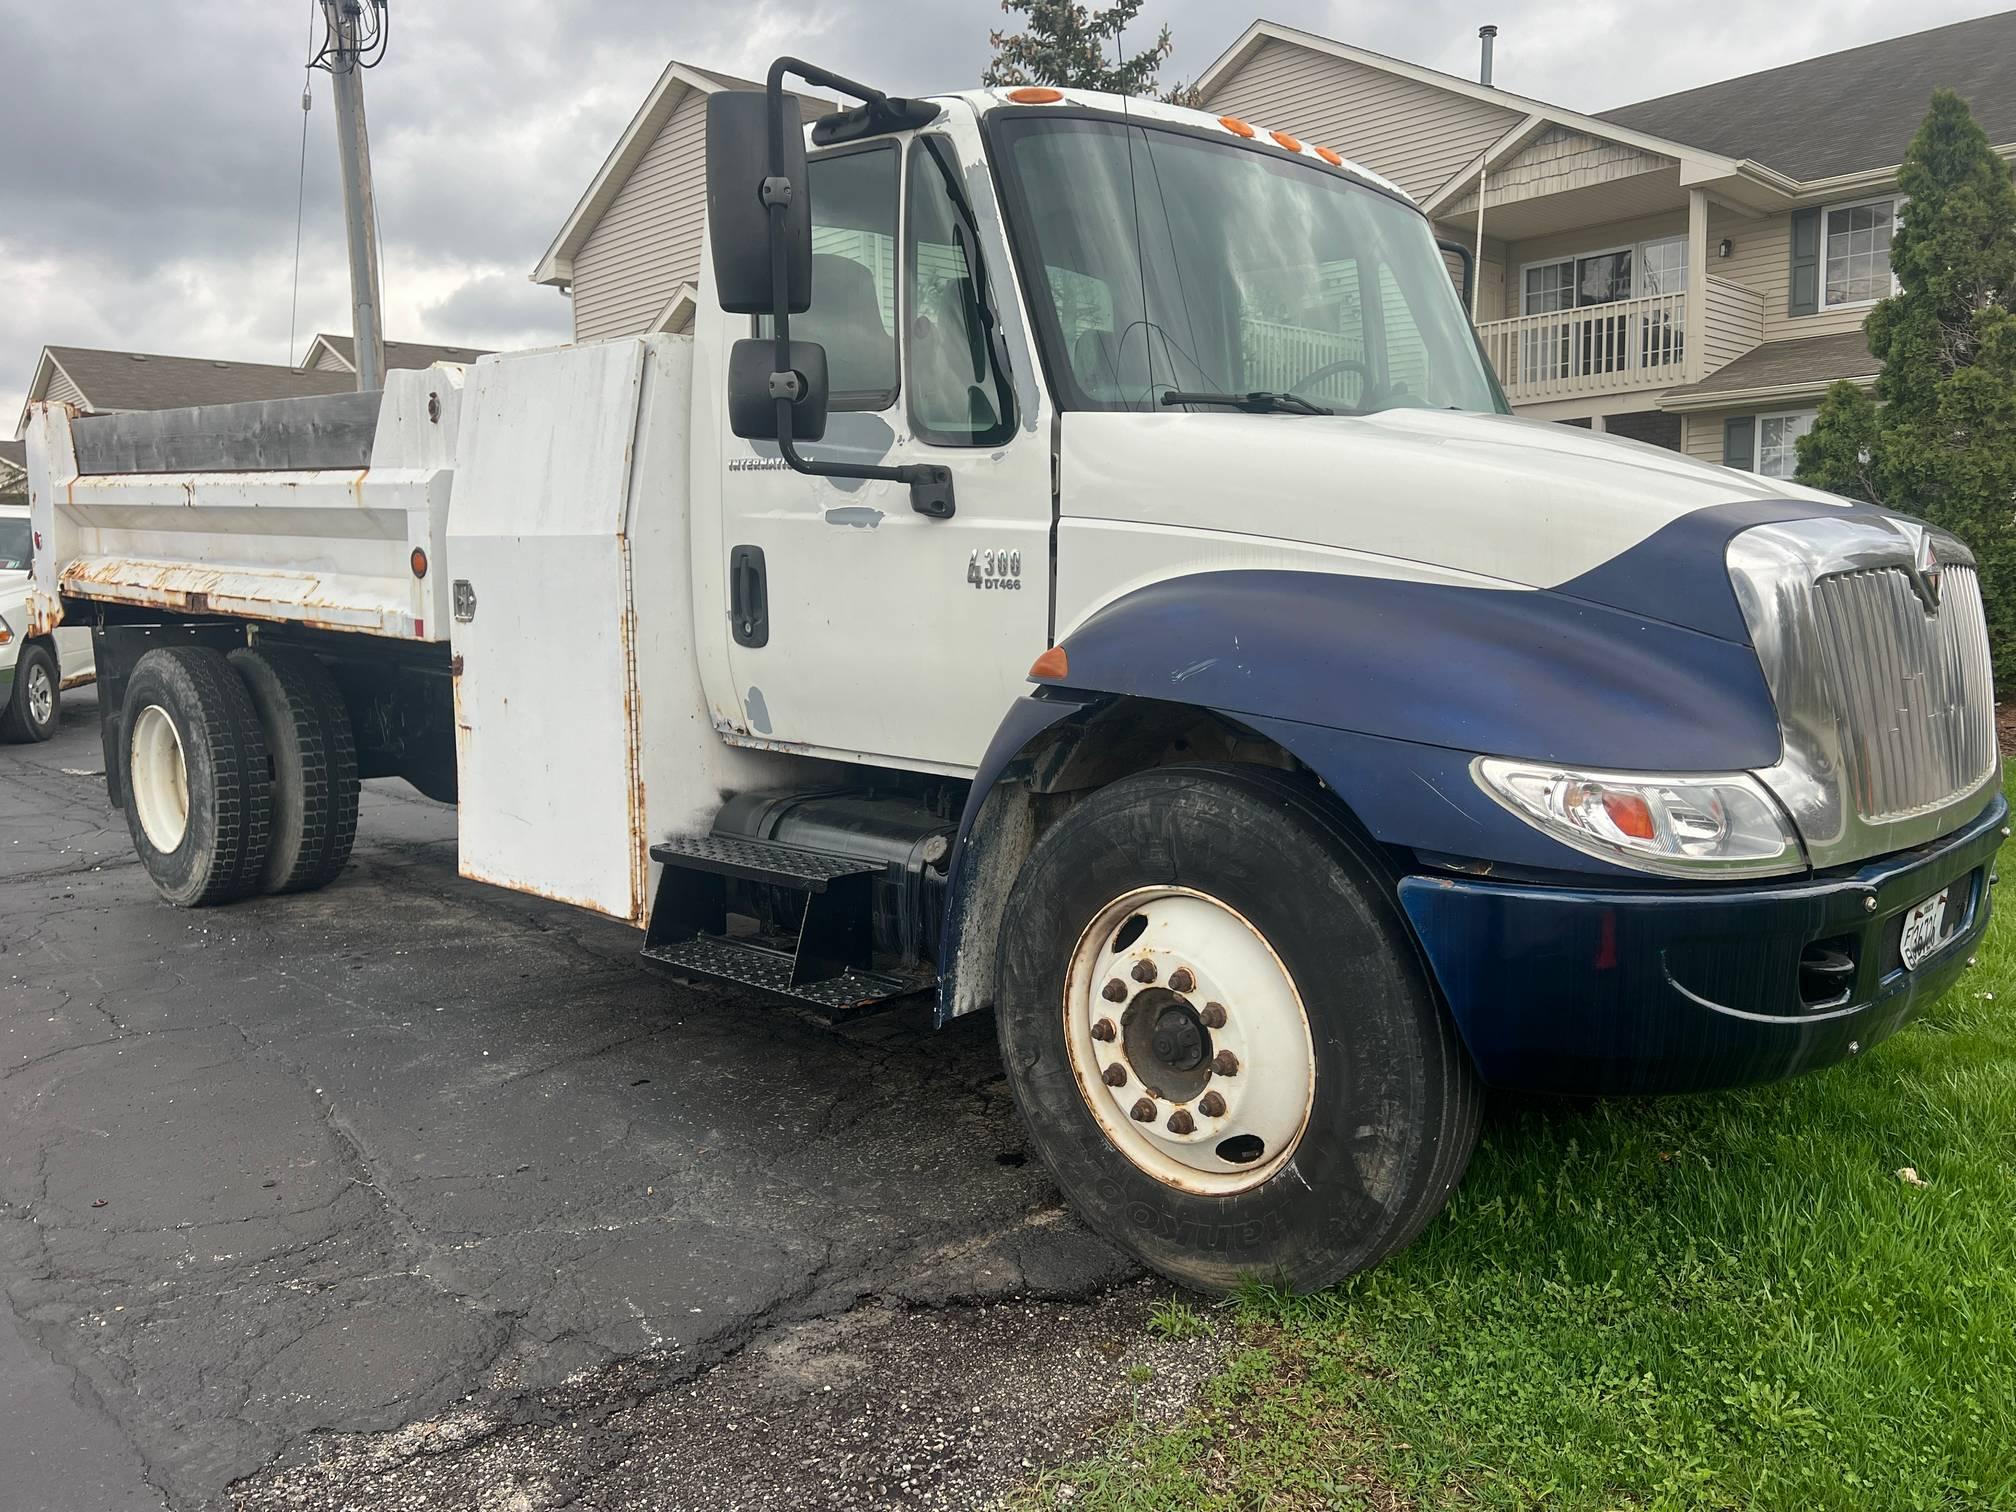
[{"x": 301, "y": 188}]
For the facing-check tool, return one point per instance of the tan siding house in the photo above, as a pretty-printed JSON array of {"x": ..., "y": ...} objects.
[
  {"x": 647, "y": 242},
  {"x": 629, "y": 255},
  {"x": 1693, "y": 270},
  {"x": 1414, "y": 133}
]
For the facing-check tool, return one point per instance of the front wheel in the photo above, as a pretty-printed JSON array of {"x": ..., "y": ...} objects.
[{"x": 1221, "y": 1036}]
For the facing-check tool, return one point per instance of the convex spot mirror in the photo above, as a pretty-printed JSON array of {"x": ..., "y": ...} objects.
[
  {"x": 752, "y": 407},
  {"x": 738, "y": 222}
]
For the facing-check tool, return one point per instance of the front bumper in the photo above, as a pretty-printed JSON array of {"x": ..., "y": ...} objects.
[{"x": 1668, "y": 990}]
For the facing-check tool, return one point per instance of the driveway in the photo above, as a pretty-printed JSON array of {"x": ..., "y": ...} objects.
[{"x": 420, "y": 1159}]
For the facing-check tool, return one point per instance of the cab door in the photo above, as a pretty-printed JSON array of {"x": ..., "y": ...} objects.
[{"x": 883, "y": 634}]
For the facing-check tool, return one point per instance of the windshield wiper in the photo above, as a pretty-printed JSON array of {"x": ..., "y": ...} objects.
[{"x": 1260, "y": 402}]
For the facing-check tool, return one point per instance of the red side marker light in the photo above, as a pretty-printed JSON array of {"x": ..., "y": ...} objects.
[{"x": 1052, "y": 664}]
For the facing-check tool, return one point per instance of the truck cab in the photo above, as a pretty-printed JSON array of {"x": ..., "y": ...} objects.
[{"x": 1081, "y": 568}]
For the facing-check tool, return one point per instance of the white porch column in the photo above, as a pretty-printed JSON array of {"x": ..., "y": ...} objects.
[{"x": 1697, "y": 285}]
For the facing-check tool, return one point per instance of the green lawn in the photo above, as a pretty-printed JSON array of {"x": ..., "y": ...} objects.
[{"x": 1721, "y": 1301}]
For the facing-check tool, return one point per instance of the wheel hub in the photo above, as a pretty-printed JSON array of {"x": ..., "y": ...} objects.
[
  {"x": 1166, "y": 1043},
  {"x": 1189, "y": 1040},
  {"x": 158, "y": 783},
  {"x": 41, "y": 694}
]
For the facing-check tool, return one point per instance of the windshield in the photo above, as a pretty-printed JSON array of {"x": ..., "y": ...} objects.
[
  {"x": 1178, "y": 262},
  {"x": 13, "y": 543}
]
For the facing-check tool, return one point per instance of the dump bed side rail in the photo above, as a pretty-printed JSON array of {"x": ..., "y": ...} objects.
[{"x": 329, "y": 512}]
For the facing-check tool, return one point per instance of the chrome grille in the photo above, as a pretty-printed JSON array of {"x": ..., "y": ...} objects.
[{"x": 1915, "y": 689}]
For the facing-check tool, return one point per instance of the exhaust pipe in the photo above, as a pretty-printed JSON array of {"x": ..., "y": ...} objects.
[{"x": 1486, "y": 35}]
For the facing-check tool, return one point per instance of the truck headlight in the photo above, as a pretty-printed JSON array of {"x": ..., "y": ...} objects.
[{"x": 1678, "y": 826}]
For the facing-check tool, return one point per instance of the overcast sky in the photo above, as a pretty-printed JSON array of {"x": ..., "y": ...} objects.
[{"x": 149, "y": 151}]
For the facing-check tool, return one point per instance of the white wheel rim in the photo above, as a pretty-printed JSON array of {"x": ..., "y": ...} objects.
[
  {"x": 159, "y": 790},
  {"x": 1141, "y": 1003},
  {"x": 41, "y": 694}
]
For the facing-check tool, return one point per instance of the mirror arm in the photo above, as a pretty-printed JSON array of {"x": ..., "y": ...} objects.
[
  {"x": 1469, "y": 260},
  {"x": 930, "y": 486}
]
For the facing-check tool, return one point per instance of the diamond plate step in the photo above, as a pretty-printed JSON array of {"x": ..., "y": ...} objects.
[
  {"x": 760, "y": 861},
  {"x": 717, "y": 960}
]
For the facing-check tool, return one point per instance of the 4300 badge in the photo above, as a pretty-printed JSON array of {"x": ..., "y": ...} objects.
[{"x": 995, "y": 569}]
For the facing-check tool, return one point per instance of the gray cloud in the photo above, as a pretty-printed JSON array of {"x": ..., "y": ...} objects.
[{"x": 150, "y": 159}]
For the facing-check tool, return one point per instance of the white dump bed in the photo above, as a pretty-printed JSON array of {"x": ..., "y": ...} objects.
[{"x": 303, "y": 511}]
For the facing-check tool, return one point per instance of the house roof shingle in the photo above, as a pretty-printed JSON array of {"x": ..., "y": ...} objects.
[
  {"x": 403, "y": 354},
  {"x": 1809, "y": 361},
  {"x": 152, "y": 381},
  {"x": 1847, "y": 111},
  {"x": 15, "y": 452}
]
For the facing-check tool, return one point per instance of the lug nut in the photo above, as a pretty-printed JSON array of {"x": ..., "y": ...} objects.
[
  {"x": 1144, "y": 971},
  {"x": 1213, "y": 1015},
  {"x": 1114, "y": 991},
  {"x": 1211, "y": 1105},
  {"x": 1115, "y": 1075},
  {"x": 1180, "y": 980},
  {"x": 1869, "y": 904},
  {"x": 1180, "y": 1122},
  {"x": 1104, "y": 1030},
  {"x": 1144, "y": 1110},
  {"x": 1225, "y": 1063}
]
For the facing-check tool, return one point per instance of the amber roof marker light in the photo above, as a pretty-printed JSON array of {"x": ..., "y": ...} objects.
[
  {"x": 1282, "y": 139},
  {"x": 1236, "y": 126},
  {"x": 1334, "y": 159},
  {"x": 1035, "y": 94}
]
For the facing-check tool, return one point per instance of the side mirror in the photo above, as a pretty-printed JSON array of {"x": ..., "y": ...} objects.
[
  {"x": 738, "y": 215},
  {"x": 752, "y": 406}
]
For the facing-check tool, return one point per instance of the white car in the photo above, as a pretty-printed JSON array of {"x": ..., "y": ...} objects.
[{"x": 33, "y": 673}]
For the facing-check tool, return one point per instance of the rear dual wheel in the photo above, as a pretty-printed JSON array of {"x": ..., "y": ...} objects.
[
  {"x": 240, "y": 773},
  {"x": 1220, "y": 1034}
]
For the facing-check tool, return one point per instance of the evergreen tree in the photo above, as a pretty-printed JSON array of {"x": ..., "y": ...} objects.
[
  {"x": 1939, "y": 439},
  {"x": 1076, "y": 45}
]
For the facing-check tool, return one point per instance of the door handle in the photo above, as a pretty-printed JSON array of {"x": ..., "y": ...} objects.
[{"x": 748, "y": 596}]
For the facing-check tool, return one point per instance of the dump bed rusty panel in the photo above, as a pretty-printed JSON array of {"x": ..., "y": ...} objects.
[{"x": 354, "y": 541}]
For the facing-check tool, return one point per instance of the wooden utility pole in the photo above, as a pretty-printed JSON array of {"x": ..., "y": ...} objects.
[{"x": 360, "y": 210}]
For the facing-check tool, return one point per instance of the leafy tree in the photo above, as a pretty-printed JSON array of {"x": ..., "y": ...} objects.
[
  {"x": 1078, "y": 45},
  {"x": 1939, "y": 438}
]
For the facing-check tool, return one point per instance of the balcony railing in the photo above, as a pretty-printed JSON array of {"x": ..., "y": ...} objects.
[{"x": 1595, "y": 349}]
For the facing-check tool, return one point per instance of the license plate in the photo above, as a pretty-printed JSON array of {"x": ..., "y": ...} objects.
[{"x": 1924, "y": 929}]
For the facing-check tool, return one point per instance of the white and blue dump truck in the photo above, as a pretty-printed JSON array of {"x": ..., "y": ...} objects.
[{"x": 1079, "y": 567}]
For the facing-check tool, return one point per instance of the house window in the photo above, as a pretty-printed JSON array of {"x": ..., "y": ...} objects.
[
  {"x": 1855, "y": 252},
  {"x": 1778, "y": 442},
  {"x": 1662, "y": 266}
]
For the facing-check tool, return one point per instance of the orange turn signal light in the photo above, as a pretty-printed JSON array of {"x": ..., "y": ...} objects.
[
  {"x": 1035, "y": 95},
  {"x": 1334, "y": 159},
  {"x": 1052, "y": 664},
  {"x": 1631, "y": 814},
  {"x": 1236, "y": 126},
  {"x": 419, "y": 562},
  {"x": 1282, "y": 139}
]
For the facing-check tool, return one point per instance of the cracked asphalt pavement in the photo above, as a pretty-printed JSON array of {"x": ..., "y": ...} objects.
[{"x": 313, "y": 1201}]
